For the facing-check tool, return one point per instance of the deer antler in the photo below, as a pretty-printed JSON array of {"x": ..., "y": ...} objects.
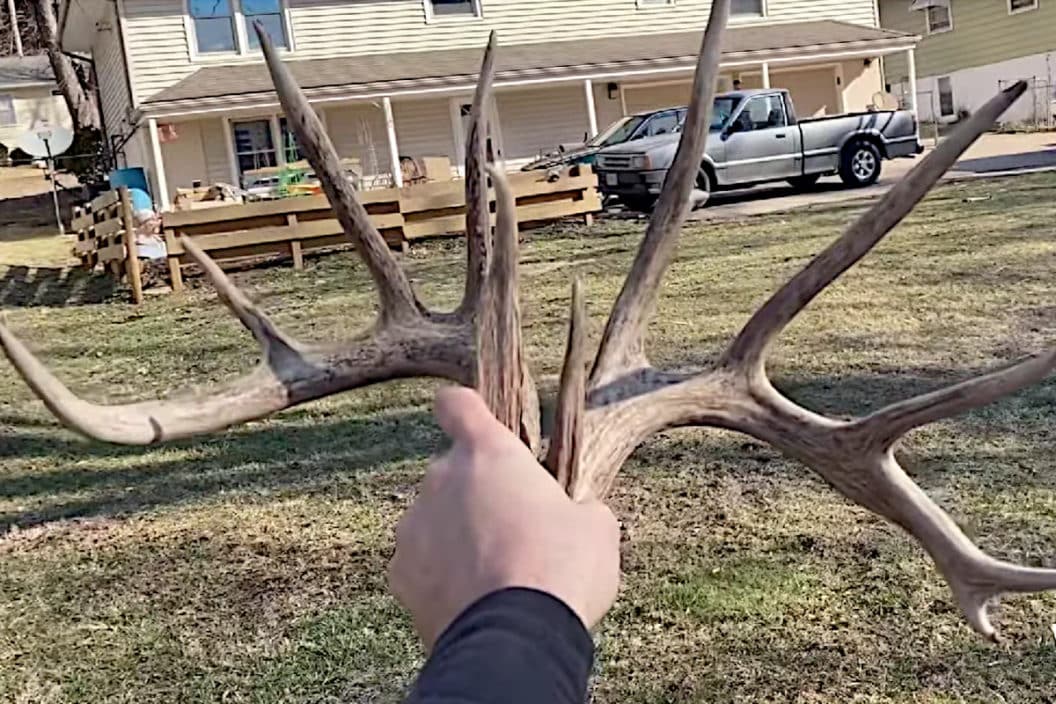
[
  {"x": 600, "y": 421},
  {"x": 407, "y": 340}
]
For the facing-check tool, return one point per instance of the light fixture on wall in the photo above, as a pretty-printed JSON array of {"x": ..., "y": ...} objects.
[
  {"x": 614, "y": 91},
  {"x": 868, "y": 63}
]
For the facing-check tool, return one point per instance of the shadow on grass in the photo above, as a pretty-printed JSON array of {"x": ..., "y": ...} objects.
[
  {"x": 24, "y": 286},
  {"x": 264, "y": 460}
]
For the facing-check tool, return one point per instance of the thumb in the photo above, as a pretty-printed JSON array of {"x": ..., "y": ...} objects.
[{"x": 464, "y": 416}]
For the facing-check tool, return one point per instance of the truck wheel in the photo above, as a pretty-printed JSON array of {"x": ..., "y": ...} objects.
[
  {"x": 640, "y": 204},
  {"x": 860, "y": 164},
  {"x": 804, "y": 183}
]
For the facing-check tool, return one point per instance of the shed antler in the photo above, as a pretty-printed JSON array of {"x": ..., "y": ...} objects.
[{"x": 601, "y": 420}]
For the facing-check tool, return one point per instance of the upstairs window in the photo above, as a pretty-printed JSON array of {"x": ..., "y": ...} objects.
[
  {"x": 1015, "y": 6},
  {"x": 747, "y": 8},
  {"x": 451, "y": 8},
  {"x": 214, "y": 25},
  {"x": 226, "y": 26},
  {"x": 268, "y": 13},
  {"x": 939, "y": 19}
]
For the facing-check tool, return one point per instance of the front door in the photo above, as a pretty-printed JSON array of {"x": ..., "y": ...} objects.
[{"x": 763, "y": 146}]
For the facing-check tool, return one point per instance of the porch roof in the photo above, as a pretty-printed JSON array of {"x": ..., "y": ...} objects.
[
  {"x": 349, "y": 77},
  {"x": 25, "y": 71}
]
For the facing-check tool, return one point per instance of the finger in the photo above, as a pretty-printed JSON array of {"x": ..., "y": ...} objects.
[
  {"x": 464, "y": 416},
  {"x": 602, "y": 516}
]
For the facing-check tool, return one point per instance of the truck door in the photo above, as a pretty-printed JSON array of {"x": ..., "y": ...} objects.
[{"x": 760, "y": 144}]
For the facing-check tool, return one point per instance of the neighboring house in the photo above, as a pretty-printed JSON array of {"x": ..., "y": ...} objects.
[
  {"x": 185, "y": 93},
  {"x": 27, "y": 96},
  {"x": 971, "y": 49}
]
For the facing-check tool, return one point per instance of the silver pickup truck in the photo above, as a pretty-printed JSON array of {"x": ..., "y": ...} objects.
[{"x": 756, "y": 138}]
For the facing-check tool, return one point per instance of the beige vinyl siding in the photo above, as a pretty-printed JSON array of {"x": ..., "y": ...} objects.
[
  {"x": 358, "y": 132},
  {"x": 158, "y": 45},
  {"x": 609, "y": 110},
  {"x": 983, "y": 33},
  {"x": 110, "y": 68},
  {"x": 328, "y": 29},
  {"x": 185, "y": 157},
  {"x": 423, "y": 128},
  {"x": 653, "y": 97},
  {"x": 860, "y": 84},
  {"x": 536, "y": 121}
]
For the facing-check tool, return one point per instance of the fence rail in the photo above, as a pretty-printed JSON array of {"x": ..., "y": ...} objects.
[
  {"x": 106, "y": 236},
  {"x": 291, "y": 226}
]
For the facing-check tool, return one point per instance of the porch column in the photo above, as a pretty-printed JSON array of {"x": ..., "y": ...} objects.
[
  {"x": 911, "y": 68},
  {"x": 394, "y": 147},
  {"x": 229, "y": 149},
  {"x": 159, "y": 166},
  {"x": 766, "y": 75},
  {"x": 592, "y": 110}
]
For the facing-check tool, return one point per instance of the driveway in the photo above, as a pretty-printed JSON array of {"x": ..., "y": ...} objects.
[{"x": 992, "y": 155}]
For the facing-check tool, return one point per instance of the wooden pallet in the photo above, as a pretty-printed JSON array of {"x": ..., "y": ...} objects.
[{"x": 105, "y": 237}]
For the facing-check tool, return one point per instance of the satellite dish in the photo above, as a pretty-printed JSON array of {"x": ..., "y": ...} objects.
[
  {"x": 885, "y": 101},
  {"x": 45, "y": 139}
]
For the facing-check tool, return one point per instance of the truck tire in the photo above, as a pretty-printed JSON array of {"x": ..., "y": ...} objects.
[
  {"x": 640, "y": 204},
  {"x": 804, "y": 183},
  {"x": 860, "y": 164}
]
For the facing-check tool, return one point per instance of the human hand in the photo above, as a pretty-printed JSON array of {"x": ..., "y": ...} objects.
[{"x": 488, "y": 518}]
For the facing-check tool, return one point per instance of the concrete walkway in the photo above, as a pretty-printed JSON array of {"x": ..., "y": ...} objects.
[{"x": 992, "y": 155}]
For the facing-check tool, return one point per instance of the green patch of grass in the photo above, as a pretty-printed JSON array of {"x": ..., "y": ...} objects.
[
  {"x": 249, "y": 566},
  {"x": 740, "y": 590}
]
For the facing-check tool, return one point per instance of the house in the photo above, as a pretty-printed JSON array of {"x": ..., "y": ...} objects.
[
  {"x": 27, "y": 97},
  {"x": 970, "y": 49},
  {"x": 185, "y": 93}
]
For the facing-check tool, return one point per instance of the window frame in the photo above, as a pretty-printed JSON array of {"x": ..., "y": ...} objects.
[
  {"x": 475, "y": 16},
  {"x": 764, "y": 7},
  {"x": 9, "y": 98},
  {"x": 242, "y": 50},
  {"x": 953, "y": 101},
  {"x": 1020, "y": 11},
  {"x": 941, "y": 30}
]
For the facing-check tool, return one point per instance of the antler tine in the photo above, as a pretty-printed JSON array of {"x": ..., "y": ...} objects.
[
  {"x": 974, "y": 577},
  {"x": 394, "y": 290},
  {"x": 274, "y": 342},
  {"x": 478, "y": 216},
  {"x": 749, "y": 348},
  {"x": 892, "y": 422},
  {"x": 499, "y": 354},
  {"x": 566, "y": 440},
  {"x": 622, "y": 345}
]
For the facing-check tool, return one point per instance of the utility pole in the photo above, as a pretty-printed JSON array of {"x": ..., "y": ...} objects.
[{"x": 14, "y": 25}]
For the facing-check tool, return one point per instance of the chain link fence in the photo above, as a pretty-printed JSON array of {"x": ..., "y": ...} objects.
[{"x": 1037, "y": 108}]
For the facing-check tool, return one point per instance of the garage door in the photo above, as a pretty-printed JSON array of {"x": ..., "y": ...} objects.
[
  {"x": 642, "y": 98},
  {"x": 813, "y": 90}
]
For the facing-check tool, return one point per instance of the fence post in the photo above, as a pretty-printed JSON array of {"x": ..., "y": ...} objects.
[{"x": 131, "y": 249}]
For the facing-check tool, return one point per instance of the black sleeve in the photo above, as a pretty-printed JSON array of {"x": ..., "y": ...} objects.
[{"x": 517, "y": 646}]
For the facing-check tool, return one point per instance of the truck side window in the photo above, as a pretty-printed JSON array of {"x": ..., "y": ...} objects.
[
  {"x": 662, "y": 124},
  {"x": 763, "y": 112}
]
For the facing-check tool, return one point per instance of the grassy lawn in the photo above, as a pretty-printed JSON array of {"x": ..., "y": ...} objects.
[{"x": 249, "y": 567}]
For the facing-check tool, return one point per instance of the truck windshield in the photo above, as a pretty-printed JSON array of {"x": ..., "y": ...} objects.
[{"x": 618, "y": 132}]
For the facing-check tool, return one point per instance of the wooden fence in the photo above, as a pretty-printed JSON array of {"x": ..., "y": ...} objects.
[
  {"x": 291, "y": 226},
  {"x": 106, "y": 236}
]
